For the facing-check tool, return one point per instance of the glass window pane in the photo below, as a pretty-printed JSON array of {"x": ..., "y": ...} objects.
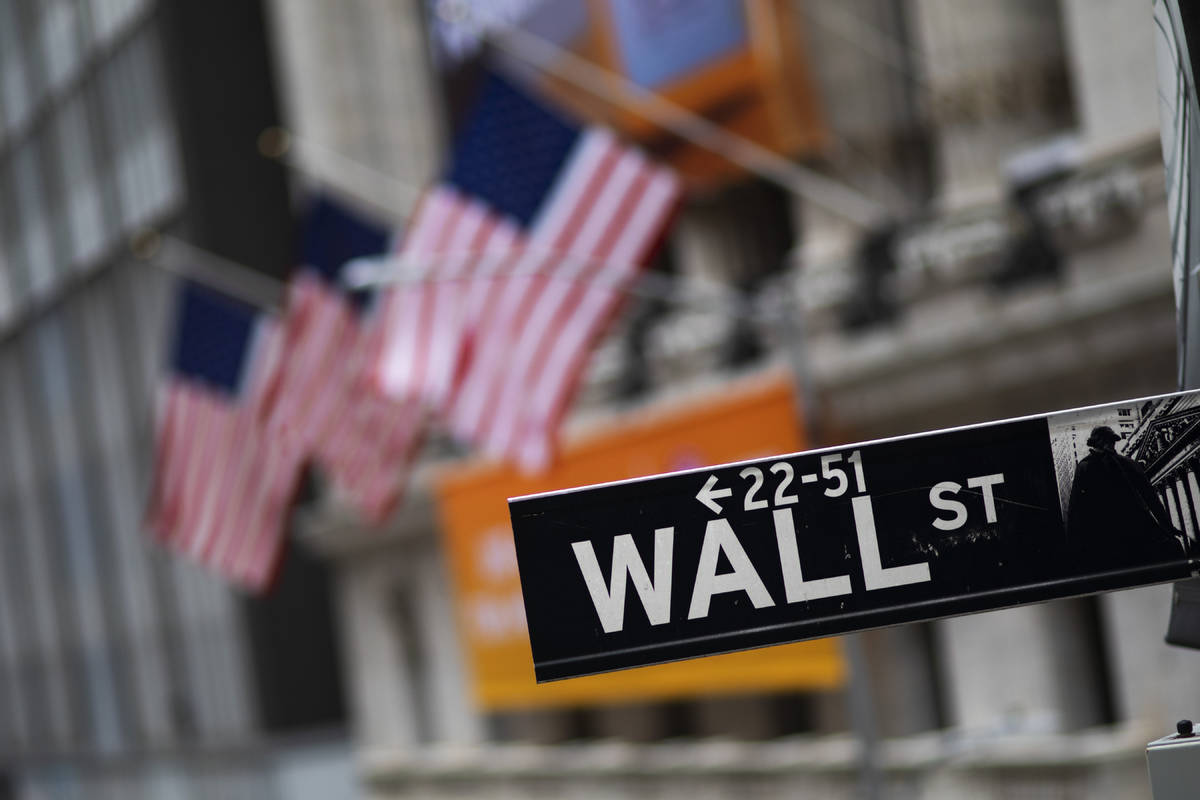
[
  {"x": 105, "y": 339},
  {"x": 15, "y": 94},
  {"x": 7, "y": 301},
  {"x": 16, "y": 277},
  {"x": 79, "y": 525},
  {"x": 159, "y": 149},
  {"x": 48, "y": 673},
  {"x": 58, "y": 37},
  {"x": 140, "y": 132},
  {"x": 16, "y": 648},
  {"x": 80, "y": 184},
  {"x": 118, "y": 105},
  {"x": 109, "y": 17},
  {"x": 134, "y": 184},
  {"x": 8, "y": 297},
  {"x": 34, "y": 233}
]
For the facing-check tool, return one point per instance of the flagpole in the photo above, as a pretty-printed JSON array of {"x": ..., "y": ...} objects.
[
  {"x": 407, "y": 270},
  {"x": 172, "y": 254},
  {"x": 385, "y": 193},
  {"x": 179, "y": 257}
]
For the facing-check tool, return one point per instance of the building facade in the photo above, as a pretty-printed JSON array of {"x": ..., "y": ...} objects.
[{"x": 127, "y": 672}]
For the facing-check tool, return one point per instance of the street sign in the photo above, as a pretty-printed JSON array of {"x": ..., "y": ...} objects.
[{"x": 825, "y": 542}]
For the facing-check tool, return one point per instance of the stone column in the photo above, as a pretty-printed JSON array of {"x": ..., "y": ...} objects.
[
  {"x": 902, "y": 679},
  {"x": 1172, "y": 505},
  {"x": 995, "y": 76},
  {"x": 1110, "y": 49},
  {"x": 1186, "y": 509},
  {"x": 453, "y": 716},
  {"x": 380, "y": 684},
  {"x": 1154, "y": 683},
  {"x": 1021, "y": 670},
  {"x": 1194, "y": 496}
]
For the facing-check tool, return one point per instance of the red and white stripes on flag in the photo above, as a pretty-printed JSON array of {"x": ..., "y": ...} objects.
[
  {"x": 223, "y": 487},
  {"x": 325, "y": 401},
  {"x": 497, "y": 331},
  {"x": 453, "y": 244}
]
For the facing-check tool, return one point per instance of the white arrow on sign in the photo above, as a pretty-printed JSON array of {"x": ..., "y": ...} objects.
[{"x": 709, "y": 492}]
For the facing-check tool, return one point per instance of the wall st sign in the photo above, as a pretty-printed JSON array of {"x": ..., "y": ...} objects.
[{"x": 811, "y": 544}]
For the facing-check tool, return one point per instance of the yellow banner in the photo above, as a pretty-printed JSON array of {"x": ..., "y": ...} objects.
[{"x": 747, "y": 420}]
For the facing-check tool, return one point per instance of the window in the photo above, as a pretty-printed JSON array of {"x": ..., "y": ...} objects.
[
  {"x": 34, "y": 240},
  {"x": 58, "y": 37},
  {"x": 45, "y": 674},
  {"x": 109, "y": 17},
  {"x": 6, "y": 298},
  {"x": 75, "y": 521},
  {"x": 8, "y": 243},
  {"x": 94, "y": 161},
  {"x": 79, "y": 191},
  {"x": 15, "y": 100},
  {"x": 113, "y": 465},
  {"x": 139, "y": 131}
]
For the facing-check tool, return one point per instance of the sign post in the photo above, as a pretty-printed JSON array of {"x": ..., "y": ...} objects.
[{"x": 843, "y": 539}]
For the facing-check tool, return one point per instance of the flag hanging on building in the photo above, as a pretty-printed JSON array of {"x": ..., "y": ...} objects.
[
  {"x": 519, "y": 257},
  {"x": 222, "y": 486},
  {"x": 324, "y": 398}
]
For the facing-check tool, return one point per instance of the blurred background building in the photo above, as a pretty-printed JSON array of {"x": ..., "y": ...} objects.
[
  {"x": 127, "y": 672},
  {"x": 1021, "y": 265}
]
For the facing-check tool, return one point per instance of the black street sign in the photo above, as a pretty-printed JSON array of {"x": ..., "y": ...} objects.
[{"x": 811, "y": 544}]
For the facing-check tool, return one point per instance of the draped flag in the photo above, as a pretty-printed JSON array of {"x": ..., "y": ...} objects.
[
  {"x": 518, "y": 258},
  {"x": 324, "y": 399},
  {"x": 222, "y": 485}
]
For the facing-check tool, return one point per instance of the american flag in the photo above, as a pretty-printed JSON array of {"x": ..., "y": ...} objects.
[
  {"x": 522, "y": 254},
  {"x": 222, "y": 485},
  {"x": 324, "y": 398}
]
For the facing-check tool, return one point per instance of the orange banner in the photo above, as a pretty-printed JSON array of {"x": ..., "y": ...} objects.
[{"x": 746, "y": 420}]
